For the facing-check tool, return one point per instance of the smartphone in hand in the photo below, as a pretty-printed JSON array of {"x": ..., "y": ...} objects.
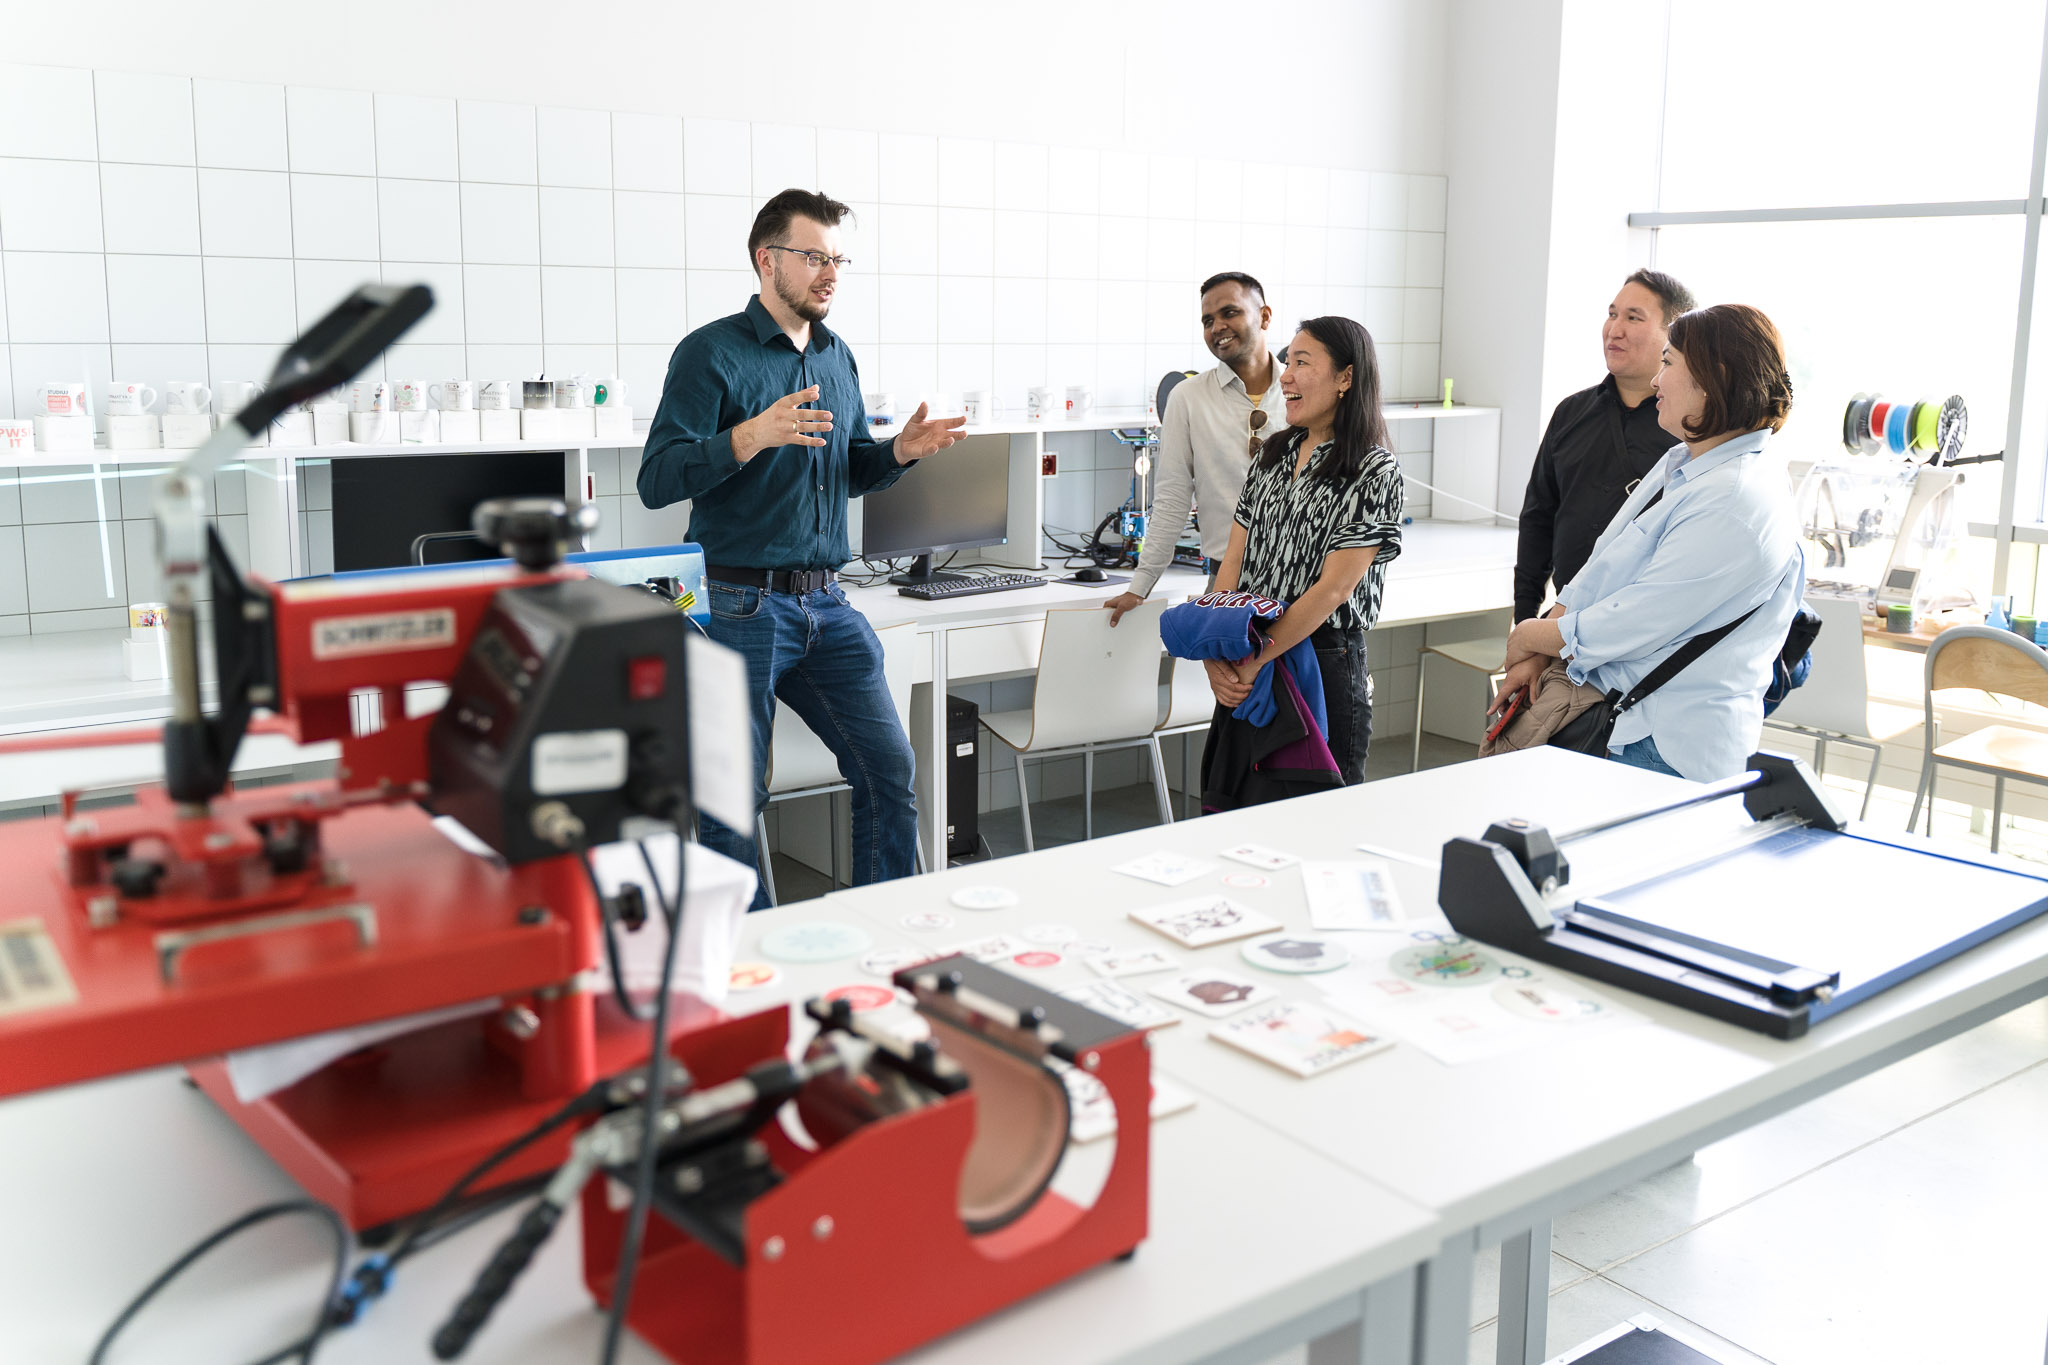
[{"x": 1508, "y": 711}]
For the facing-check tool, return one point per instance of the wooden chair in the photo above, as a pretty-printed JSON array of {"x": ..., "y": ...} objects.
[{"x": 1985, "y": 659}]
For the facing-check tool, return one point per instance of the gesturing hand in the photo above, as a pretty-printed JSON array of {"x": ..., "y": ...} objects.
[
  {"x": 785, "y": 423},
  {"x": 921, "y": 437}
]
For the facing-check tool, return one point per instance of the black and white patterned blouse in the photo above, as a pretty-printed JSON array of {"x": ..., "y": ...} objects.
[{"x": 1292, "y": 524}]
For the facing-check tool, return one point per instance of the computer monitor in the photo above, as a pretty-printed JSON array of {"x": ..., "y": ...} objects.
[
  {"x": 382, "y": 505},
  {"x": 958, "y": 499}
]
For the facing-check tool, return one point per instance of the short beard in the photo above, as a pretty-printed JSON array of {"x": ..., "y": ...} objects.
[{"x": 798, "y": 301}]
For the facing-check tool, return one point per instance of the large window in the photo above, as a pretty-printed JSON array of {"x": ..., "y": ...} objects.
[{"x": 1861, "y": 175}]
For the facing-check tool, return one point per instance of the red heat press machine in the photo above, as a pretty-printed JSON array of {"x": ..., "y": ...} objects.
[{"x": 201, "y": 920}]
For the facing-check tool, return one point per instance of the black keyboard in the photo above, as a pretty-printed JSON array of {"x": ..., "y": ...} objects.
[{"x": 968, "y": 587}]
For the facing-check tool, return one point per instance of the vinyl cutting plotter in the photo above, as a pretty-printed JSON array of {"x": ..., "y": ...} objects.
[
  {"x": 909, "y": 1194},
  {"x": 1792, "y": 919}
]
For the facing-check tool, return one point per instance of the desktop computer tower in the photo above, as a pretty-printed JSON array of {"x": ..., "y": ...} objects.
[{"x": 963, "y": 778}]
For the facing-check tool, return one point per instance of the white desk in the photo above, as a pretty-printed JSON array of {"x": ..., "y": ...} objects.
[{"x": 1497, "y": 1148}]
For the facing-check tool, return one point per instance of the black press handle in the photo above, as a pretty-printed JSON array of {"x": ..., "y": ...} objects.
[
  {"x": 496, "y": 1280},
  {"x": 338, "y": 347}
]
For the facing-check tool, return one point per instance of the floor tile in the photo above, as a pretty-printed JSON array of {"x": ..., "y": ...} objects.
[
  {"x": 1486, "y": 1281},
  {"x": 1585, "y": 1310}
]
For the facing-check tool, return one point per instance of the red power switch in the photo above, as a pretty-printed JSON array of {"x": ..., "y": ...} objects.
[{"x": 646, "y": 678}]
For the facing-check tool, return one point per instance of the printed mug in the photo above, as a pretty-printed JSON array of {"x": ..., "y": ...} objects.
[
  {"x": 1039, "y": 403},
  {"x": 408, "y": 395},
  {"x": 498, "y": 395},
  {"x": 236, "y": 394},
  {"x": 1080, "y": 401},
  {"x": 369, "y": 395},
  {"x": 609, "y": 393},
  {"x": 979, "y": 407},
  {"x": 456, "y": 395},
  {"x": 129, "y": 400},
  {"x": 61, "y": 400},
  {"x": 187, "y": 397}
]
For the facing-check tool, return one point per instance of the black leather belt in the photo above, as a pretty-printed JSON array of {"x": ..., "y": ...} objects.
[{"x": 774, "y": 580}]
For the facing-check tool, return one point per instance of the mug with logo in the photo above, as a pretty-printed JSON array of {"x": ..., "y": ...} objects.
[
  {"x": 60, "y": 399},
  {"x": 128, "y": 400},
  {"x": 608, "y": 393},
  {"x": 979, "y": 407},
  {"x": 1080, "y": 401},
  {"x": 408, "y": 395},
  {"x": 236, "y": 394},
  {"x": 187, "y": 397},
  {"x": 456, "y": 395},
  {"x": 369, "y": 395},
  {"x": 881, "y": 409},
  {"x": 573, "y": 392},
  {"x": 537, "y": 394},
  {"x": 1040, "y": 402},
  {"x": 498, "y": 395}
]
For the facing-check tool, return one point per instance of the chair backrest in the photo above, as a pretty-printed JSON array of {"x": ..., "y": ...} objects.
[
  {"x": 1097, "y": 682},
  {"x": 1986, "y": 659},
  {"x": 1191, "y": 702},
  {"x": 799, "y": 760},
  {"x": 1837, "y": 693}
]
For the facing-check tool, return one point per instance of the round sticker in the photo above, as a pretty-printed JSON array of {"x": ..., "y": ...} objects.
[
  {"x": 1542, "y": 1000},
  {"x": 1450, "y": 961},
  {"x": 1296, "y": 953},
  {"x": 817, "y": 941},
  {"x": 889, "y": 961},
  {"x": 1246, "y": 880},
  {"x": 927, "y": 919},
  {"x": 752, "y": 976},
  {"x": 1038, "y": 958},
  {"x": 984, "y": 898},
  {"x": 1051, "y": 935},
  {"x": 863, "y": 997}
]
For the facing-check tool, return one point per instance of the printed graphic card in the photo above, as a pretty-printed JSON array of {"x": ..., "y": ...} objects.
[
  {"x": 1296, "y": 1035},
  {"x": 1121, "y": 1004},
  {"x": 1351, "y": 895},
  {"x": 1131, "y": 962},
  {"x": 1261, "y": 857},
  {"x": 1215, "y": 994},
  {"x": 1205, "y": 920},
  {"x": 1168, "y": 869}
]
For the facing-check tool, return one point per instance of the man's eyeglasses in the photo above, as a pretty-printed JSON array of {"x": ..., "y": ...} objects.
[
  {"x": 1258, "y": 422},
  {"x": 816, "y": 260}
]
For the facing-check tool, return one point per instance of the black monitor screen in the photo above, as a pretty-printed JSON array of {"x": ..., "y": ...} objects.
[
  {"x": 382, "y": 504},
  {"x": 955, "y": 500}
]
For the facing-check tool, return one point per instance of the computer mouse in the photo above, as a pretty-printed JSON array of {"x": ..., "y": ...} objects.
[{"x": 1091, "y": 574}]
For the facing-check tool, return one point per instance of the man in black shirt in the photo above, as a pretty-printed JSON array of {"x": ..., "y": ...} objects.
[{"x": 1600, "y": 442}]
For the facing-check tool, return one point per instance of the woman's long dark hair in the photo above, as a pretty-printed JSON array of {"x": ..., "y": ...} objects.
[{"x": 1359, "y": 426}]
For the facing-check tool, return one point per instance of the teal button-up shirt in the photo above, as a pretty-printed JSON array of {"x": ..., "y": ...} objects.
[{"x": 786, "y": 507}]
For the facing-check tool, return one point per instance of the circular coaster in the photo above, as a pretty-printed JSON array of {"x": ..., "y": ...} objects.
[
  {"x": 1296, "y": 953},
  {"x": 1245, "y": 880},
  {"x": 1051, "y": 935},
  {"x": 889, "y": 961},
  {"x": 984, "y": 898},
  {"x": 817, "y": 941},
  {"x": 752, "y": 976},
  {"x": 1450, "y": 961},
  {"x": 863, "y": 997},
  {"x": 1037, "y": 958},
  {"x": 927, "y": 919}
]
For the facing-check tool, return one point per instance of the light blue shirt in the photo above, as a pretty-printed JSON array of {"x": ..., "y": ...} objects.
[{"x": 1724, "y": 538}]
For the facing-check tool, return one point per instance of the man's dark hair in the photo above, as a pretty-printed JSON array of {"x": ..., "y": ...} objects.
[
  {"x": 1235, "y": 277},
  {"x": 1675, "y": 297},
  {"x": 1735, "y": 355},
  {"x": 771, "y": 224}
]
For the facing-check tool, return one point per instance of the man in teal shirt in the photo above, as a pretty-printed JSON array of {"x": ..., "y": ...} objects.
[{"x": 761, "y": 427}]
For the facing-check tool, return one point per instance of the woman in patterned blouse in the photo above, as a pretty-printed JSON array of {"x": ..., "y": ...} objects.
[{"x": 1318, "y": 520}]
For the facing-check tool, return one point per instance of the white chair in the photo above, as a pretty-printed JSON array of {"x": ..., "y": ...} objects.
[
  {"x": 799, "y": 764},
  {"x": 1190, "y": 706},
  {"x": 1484, "y": 656},
  {"x": 1834, "y": 706},
  {"x": 1097, "y": 688}
]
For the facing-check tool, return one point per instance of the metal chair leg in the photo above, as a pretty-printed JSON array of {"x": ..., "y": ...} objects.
[
  {"x": 1421, "y": 677},
  {"x": 1088, "y": 792},
  {"x": 1820, "y": 755},
  {"x": 1024, "y": 800},
  {"x": 1997, "y": 808},
  {"x": 1159, "y": 783},
  {"x": 1876, "y": 758},
  {"x": 832, "y": 831},
  {"x": 764, "y": 861}
]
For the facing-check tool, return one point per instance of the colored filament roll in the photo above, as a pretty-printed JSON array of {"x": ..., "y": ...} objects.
[{"x": 1895, "y": 427}]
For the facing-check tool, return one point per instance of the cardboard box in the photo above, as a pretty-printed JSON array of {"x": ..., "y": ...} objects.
[
  {"x": 186, "y": 430},
  {"x": 143, "y": 660},
  {"x": 373, "y": 428},
  {"x": 576, "y": 424},
  {"x": 460, "y": 427},
  {"x": 419, "y": 428},
  {"x": 69, "y": 431},
  {"x": 614, "y": 422},
  {"x": 292, "y": 429},
  {"x": 499, "y": 424},
  {"x": 134, "y": 432},
  {"x": 330, "y": 426},
  {"x": 541, "y": 424}
]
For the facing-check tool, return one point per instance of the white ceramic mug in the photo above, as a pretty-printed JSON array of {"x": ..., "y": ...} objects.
[
  {"x": 537, "y": 394},
  {"x": 408, "y": 395},
  {"x": 186, "y": 396},
  {"x": 60, "y": 400},
  {"x": 369, "y": 395},
  {"x": 236, "y": 394},
  {"x": 455, "y": 395},
  {"x": 1080, "y": 401},
  {"x": 1039, "y": 403},
  {"x": 498, "y": 395},
  {"x": 128, "y": 400},
  {"x": 609, "y": 393},
  {"x": 573, "y": 392},
  {"x": 979, "y": 407},
  {"x": 881, "y": 409}
]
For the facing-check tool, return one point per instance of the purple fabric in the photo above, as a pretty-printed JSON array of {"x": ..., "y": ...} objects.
[{"x": 1310, "y": 753}]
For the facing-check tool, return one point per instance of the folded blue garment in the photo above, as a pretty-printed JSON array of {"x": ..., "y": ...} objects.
[{"x": 1225, "y": 625}]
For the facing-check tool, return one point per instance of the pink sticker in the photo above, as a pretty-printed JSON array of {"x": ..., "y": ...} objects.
[
  {"x": 1037, "y": 959},
  {"x": 863, "y": 997}
]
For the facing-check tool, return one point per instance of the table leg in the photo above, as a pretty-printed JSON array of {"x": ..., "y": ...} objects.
[
  {"x": 1443, "y": 1303},
  {"x": 1524, "y": 1297},
  {"x": 1384, "y": 1334},
  {"x": 933, "y": 824}
]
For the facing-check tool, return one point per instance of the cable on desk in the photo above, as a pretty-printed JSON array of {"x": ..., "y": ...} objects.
[
  {"x": 305, "y": 1346},
  {"x": 611, "y": 910}
]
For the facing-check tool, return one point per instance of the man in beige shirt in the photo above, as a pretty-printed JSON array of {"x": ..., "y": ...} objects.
[{"x": 1208, "y": 431}]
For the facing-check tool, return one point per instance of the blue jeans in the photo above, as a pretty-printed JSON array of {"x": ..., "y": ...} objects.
[
  {"x": 1642, "y": 753},
  {"x": 816, "y": 654}
]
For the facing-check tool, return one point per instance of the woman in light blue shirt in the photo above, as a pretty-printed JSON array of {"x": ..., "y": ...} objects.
[{"x": 1708, "y": 534}]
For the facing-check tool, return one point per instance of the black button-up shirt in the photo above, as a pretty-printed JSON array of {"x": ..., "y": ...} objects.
[
  {"x": 1593, "y": 453},
  {"x": 786, "y": 507}
]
